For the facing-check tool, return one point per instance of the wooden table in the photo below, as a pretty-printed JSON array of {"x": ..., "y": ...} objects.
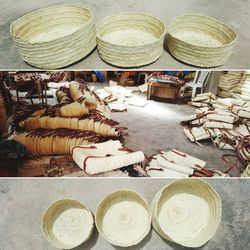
[{"x": 163, "y": 90}]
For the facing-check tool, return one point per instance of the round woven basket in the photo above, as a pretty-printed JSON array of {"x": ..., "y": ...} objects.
[
  {"x": 55, "y": 37},
  {"x": 187, "y": 212},
  {"x": 123, "y": 218},
  {"x": 130, "y": 39},
  {"x": 67, "y": 224},
  {"x": 200, "y": 41}
]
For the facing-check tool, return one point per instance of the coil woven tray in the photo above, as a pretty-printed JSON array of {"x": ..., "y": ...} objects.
[
  {"x": 130, "y": 39},
  {"x": 54, "y": 37},
  {"x": 123, "y": 218},
  {"x": 67, "y": 224},
  {"x": 200, "y": 41},
  {"x": 187, "y": 211}
]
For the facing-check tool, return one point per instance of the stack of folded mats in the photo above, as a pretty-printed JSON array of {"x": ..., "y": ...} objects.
[
  {"x": 116, "y": 97},
  {"x": 229, "y": 82},
  {"x": 244, "y": 87},
  {"x": 203, "y": 100},
  {"x": 226, "y": 123},
  {"x": 78, "y": 121},
  {"x": 103, "y": 157},
  {"x": 175, "y": 163}
]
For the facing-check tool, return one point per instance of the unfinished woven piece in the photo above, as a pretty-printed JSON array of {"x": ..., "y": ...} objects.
[
  {"x": 56, "y": 141},
  {"x": 102, "y": 157},
  {"x": 130, "y": 39},
  {"x": 46, "y": 122},
  {"x": 187, "y": 212},
  {"x": 54, "y": 37},
  {"x": 174, "y": 163},
  {"x": 200, "y": 41},
  {"x": 67, "y": 224},
  {"x": 123, "y": 218}
]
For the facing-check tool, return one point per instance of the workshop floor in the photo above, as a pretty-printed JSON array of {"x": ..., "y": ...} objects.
[
  {"x": 234, "y": 13},
  {"x": 22, "y": 203},
  {"x": 156, "y": 127}
]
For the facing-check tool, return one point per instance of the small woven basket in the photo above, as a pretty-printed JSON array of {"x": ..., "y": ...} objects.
[
  {"x": 187, "y": 212},
  {"x": 200, "y": 41},
  {"x": 130, "y": 39},
  {"x": 54, "y": 37},
  {"x": 123, "y": 218},
  {"x": 67, "y": 223}
]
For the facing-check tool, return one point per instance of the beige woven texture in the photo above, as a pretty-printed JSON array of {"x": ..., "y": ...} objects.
[
  {"x": 200, "y": 41},
  {"x": 130, "y": 39},
  {"x": 187, "y": 211},
  {"x": 123, "y": 218},
  {"x": 67, "y": 224},
  {"x": 54, "y": 37}
]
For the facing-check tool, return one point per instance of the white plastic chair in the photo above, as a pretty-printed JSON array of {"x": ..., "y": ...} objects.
[{"x": 200, "y": 81}]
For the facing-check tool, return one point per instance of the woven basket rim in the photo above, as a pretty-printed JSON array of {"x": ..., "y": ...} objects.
[
  {"x": 130, "y": 13},
  {"x": 48, "y": 8},
  {"x": 60, "y": 200},
  {"x": 208, "y": 18},
  {"x": 103, "y": 200}
]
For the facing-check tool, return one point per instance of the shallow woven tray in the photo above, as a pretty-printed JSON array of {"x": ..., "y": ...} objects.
[
  {"x": 54, "y": 37},
  {"x": 123, "y": 218},
  {"x": 200, "y": 41},
  {"x": 187, "y": 211},
  {"x": 130, "y": 39},
  {"x": 67, "y": 224}
]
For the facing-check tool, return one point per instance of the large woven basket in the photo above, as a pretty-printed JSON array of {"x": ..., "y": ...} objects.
[
  {"x": 123, "y": 218},
  {"x": 130, "y": 39},
  {"x": 200, "y": 41},
  {"x": 67, "y": 224},
  {"x": 55, "y": 37},
  {"x": 187, "y": 211}
]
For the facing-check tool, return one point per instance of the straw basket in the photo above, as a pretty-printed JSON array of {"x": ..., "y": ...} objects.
[
  {"x": 187, "y": 211},
  {"x": 67, "y": 224},
  {"x": 130, "y": 39},
  {"x": 246, "y": 172},
  {"x": 123, "y": 218},
  {"x": 55, "y": 37},
  {"x": 200, "y": 41}
]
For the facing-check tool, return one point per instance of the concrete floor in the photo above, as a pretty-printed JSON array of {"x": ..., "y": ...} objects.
[
  {"x": 156, "y": 127},
  {"x": 234, "y": 13},
  {"x": 22, "y": 203}
]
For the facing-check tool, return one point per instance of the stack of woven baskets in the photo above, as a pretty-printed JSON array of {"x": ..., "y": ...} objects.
[{"x": 58, "y": 36}]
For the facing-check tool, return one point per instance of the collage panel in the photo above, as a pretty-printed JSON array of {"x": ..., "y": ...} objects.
[
  {"x": 152, "y": 34},
  {"x": 117, "y": 213},
  {"x": 125, "y": 123}
]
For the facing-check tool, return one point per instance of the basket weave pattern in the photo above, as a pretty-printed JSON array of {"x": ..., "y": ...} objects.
[
  {"x": 135, "y": 53},
  {"x": 54, "y": 37},
  {"x": 211, "y": 45}
]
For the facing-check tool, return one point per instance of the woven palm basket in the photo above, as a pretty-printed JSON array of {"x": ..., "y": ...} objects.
[
  {"x": 200, "y": 41},
  {"x": 123, "y": 218},
  {"x": 130, "y": 39},
  {"x": 67, "y": 224},
  {"x": 54, "y": 37},
  {"x": 187, "y": 212},
  {"x": 246, "y": 172}
]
